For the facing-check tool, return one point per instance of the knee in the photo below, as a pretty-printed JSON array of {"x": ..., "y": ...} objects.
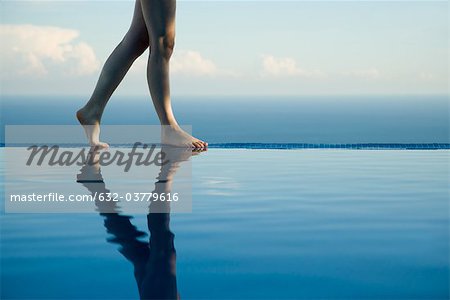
[{"x": 165, "y": 45}]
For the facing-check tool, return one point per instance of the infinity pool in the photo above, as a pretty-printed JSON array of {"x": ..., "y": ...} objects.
[{"x": 272, "y": 224}]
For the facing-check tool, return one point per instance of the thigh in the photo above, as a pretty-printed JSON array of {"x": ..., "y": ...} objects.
[
  {"x": 159, "y": 17},
  {"x": 138, "y": 30}
]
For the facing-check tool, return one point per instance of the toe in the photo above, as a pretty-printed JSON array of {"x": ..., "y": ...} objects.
[{"x": 202, "y": 144}]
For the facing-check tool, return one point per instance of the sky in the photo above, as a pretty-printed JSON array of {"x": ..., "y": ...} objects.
[{"x": 234, "y": 47}]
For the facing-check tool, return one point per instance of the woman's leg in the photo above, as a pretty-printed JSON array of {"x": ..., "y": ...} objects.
[
  {"x": 159, "y": 17},
  {"x": 134, "y": 43}
]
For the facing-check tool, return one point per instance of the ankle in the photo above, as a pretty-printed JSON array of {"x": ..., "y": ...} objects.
[
  {"x": 92, "y": 111},
  {"x": 171, "y": 122}
]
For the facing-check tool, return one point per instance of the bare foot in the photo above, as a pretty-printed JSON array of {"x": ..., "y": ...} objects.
[
  {"x": 175, "y": 136},
  {"x": 91, "y": 126}
]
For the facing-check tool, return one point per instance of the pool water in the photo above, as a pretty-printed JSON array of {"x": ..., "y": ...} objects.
[{"x": 266, "y": 224}]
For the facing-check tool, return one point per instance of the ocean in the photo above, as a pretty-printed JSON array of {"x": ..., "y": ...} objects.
[{"x": 315, "y": 119}]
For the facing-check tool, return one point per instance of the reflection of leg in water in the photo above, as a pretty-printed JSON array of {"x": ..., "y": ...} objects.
[
  {"x": 125, "y": 234},
  {"x": 160, "y": 280},
  {"x": 154, "y": 262},
  {"x": 91, "y": 178}
]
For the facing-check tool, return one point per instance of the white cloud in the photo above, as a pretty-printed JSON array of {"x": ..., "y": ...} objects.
[
  {"x": 425, "y": 76},
  {"x": 39, "y": 50},
  {"x": 188, "y": 62},
  {"x": 371, "y": 73},
  {"x": 285, "y": 66}
]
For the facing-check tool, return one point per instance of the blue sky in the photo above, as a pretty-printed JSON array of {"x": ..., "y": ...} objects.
[{"x": 235, "y": 47}]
